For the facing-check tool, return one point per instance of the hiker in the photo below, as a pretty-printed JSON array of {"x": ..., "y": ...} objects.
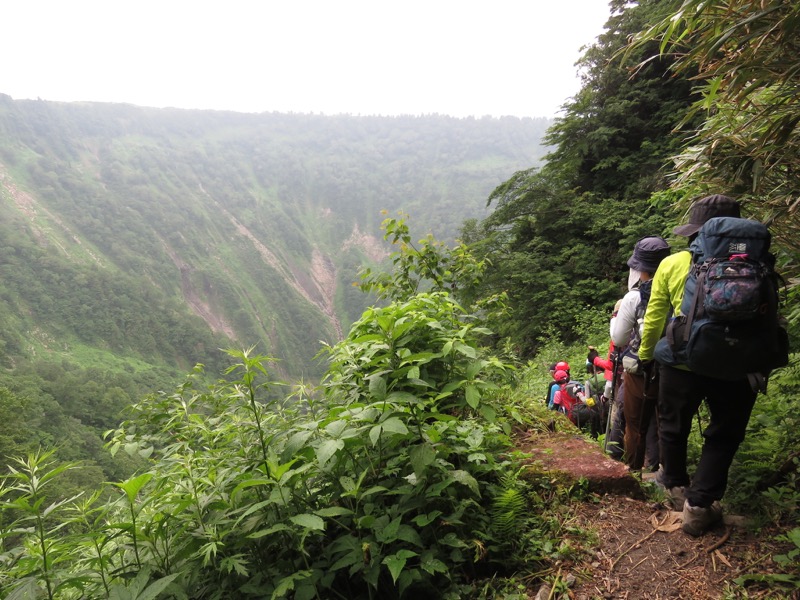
[
  {"x": 681, "y": 391},
  {"x": 595, "y": 382},
  {"x": 560, "y": 371},
  {"x": 560, "y": 378},
  {"x": 614, "y": 394},
  {"x": 549, "y": 393},
  {"x": 641, "y": 387},
  {"x": 563, "y": 366},
  {"x": 587, "y": 413},
  {"x": 573, "y": 400}
]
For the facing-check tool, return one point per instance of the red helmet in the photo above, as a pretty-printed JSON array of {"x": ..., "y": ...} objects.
[
  {"x": 562, "y": 366},
  {"x": 561, "y": 376}
]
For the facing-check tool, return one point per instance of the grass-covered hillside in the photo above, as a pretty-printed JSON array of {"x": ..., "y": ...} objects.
[{"x": 166, "y": 234}]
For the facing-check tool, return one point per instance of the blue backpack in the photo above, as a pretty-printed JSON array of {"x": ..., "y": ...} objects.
[{"x": 729, "y": 327}]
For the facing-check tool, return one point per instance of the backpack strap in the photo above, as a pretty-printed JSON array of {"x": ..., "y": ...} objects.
[{"x": 699, "y": 281}]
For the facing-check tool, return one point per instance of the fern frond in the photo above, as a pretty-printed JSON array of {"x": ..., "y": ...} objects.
[{"x": 509, "y": 507}]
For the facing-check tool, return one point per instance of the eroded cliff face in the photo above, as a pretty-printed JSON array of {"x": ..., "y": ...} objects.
[
  {"x": 373, "y": 248},
  {"x": 314, "y": 281},
  {"x": 47, "y": 227}
]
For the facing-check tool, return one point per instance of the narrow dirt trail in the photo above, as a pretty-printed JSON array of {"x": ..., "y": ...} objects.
[{"x": 641, "y": 551}]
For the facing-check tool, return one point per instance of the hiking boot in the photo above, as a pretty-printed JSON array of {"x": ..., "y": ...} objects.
[
  {"x": 675, "y": 495},
  {"x": 697, "y": 519}
]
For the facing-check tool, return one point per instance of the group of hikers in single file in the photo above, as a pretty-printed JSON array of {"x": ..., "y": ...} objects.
[{"x": 697, "y": 325}]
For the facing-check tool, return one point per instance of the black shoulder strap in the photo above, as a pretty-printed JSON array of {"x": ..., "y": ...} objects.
[{"x": 698, "y": 289}]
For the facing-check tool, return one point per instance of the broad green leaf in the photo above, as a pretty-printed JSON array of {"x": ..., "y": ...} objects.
[
  {"x": 132, "y": 486},
  {"x": 305, "y": 591},
  {"x": 475, "y": 438},
  {"x": 394, "y": 425},
  {"x": 474, "y": 367},
  {"x": 375, "y": 434},
  {"x": 336, "y": 428},
  {"x": 372, "y": 574},
  {"x": 387, "y": 532},
  {"x": 327, "y": 449},
  {"x": 297, "y": 441},
  {"x": 269, "y": 531},
  {"x": 488, "y": 413},
  {"x": 377, "y": 388},
  {"x": 400, "y": 329},
  {"x": 437, "y": 488},
  {"x": 370, "y": 337},
  {"x": 473, "y": 395},
  {"x": 421, "y": 456},
  {"x": 420, "y": 358},
  {"x": 466, "y": 479},
  {"x": 385, "y": 322},
  {"x": 354, "y": 557},
  {"x": 410, "y": 535},
  {"x": 466, "y": 350},
  {"x": 433, "y": 565},
  {"x": 284, "y": 586},
  {"x": 402, "y": 398},
  {"x": 153, "y": 590},
  {"x": 308, "y": 521},
  {"x": 375, "y": 489},
  {"x": 277, "y": 470},
  {"x": 794, "y": 536},
  {"x": 451, "y": 386},
  {"x": 427, "y": 519},
  {"x": 441, "y": 417},
  {"x": 396, "y": 562},
  {"x": 333, "y": 511}
]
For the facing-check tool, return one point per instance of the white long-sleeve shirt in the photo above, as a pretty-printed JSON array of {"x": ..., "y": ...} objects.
[{"x": 624, "y": 325}]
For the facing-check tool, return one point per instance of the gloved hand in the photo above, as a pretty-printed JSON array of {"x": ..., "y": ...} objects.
[
  {"x": 648, "y": 367},
  {"x": 592, "y": 355}
]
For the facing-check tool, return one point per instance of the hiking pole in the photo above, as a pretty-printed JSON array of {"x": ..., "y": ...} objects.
[{"x": 614, "y": 379}]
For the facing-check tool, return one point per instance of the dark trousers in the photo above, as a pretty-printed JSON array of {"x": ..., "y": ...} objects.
[
  {"x": 729, "y": 403},
  {"x": 652, "y": 455},
  {"x": 641, "y": 392},
  {"x": 617, "y": 433}
]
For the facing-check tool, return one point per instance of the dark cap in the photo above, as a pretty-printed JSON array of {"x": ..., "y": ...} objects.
[
  {"x": 705, "y": 209},
  {"x": 648, "y": 254}
]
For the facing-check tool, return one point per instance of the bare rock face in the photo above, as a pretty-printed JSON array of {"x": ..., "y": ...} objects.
[{"x": 569, "y": 457}]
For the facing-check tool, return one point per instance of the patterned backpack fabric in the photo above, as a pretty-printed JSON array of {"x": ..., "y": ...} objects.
[{"x": 729, "y": 325}]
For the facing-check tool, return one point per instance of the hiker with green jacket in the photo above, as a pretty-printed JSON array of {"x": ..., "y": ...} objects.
[
  {"x": 681, "y": 391},
  {"x": 641, "y": 387}
]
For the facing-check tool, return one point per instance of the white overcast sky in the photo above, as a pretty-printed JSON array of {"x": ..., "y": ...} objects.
[{"x": 368, "y": 57}]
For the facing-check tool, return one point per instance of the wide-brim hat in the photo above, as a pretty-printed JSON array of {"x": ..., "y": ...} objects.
[
  {"x": 707, "y": 208},
  {"x": 648, "y": 254}
]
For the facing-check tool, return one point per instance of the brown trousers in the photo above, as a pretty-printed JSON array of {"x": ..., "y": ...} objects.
[{"x": 641, "y": 395}]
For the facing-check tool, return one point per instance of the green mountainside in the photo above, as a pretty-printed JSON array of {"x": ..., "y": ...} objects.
[{"x": 162, "y": 235}]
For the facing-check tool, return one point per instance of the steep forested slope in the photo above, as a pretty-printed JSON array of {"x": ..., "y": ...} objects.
[{"x": 166, "y": 234}]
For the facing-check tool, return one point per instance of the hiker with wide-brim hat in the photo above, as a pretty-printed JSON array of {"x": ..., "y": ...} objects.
[
  {"x": 641, "y": 387},
  {"x": 681, "y": 391}
]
